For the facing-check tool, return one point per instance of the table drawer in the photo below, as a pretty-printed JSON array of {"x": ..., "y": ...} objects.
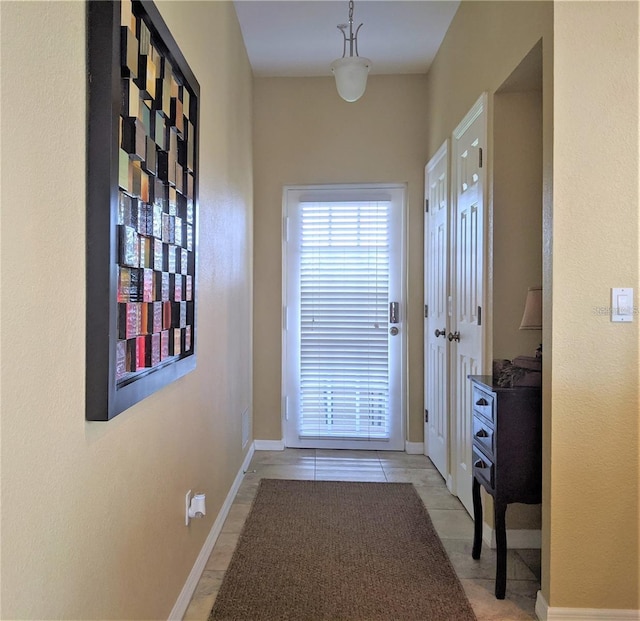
[
  {"x": 483, "y": 403},
  {"x": 483, "y": 435},
  {"x": 483, "y": 467}
]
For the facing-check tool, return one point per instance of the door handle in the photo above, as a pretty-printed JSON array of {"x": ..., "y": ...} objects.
[
  {"x": 441, "y": 333},
  {"x": 394, "y": 312},
  {"x": 454, "y": 336}
]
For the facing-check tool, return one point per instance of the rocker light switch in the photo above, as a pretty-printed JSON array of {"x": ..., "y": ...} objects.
[{"x": 622, "y": 304}]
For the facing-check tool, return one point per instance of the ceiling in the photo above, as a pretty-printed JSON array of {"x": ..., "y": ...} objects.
[{"x": 294, "y": 38}]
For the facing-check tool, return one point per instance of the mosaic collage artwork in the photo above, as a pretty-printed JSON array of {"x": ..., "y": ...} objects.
[{"x": 156, "y": 206}]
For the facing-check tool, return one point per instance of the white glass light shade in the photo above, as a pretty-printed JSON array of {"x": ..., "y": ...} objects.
[{"x": 351, "y": 76}]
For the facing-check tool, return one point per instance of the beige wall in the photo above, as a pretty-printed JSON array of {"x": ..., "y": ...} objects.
[
  {"x": 594, "y": 517},
  {"x": 515, "y": 240},
  {"x": 305, "y": 134},
  {"x": 93, "y": 513},
  {"x": 590, "y": 241},
  {"x": 516, "y": 235},
  {"x": 484, "y": 48},
  {"x": 484, "y": 44}
]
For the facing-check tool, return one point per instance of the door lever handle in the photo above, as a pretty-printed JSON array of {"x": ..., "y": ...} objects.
[
  {"x": 394, "y": 312},
  {"x": 454, "y": 336},
  {"x": 441, "y": 332}
]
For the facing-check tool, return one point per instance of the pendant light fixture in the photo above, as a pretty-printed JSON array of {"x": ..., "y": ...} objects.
[{"x": 350, "y": 71}]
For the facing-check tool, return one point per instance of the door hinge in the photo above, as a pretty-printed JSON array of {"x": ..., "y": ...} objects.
[
  {"x": 426, "y": 205},
  {"x": 479, "y": 315},
  {"x": 426, "y": 311},
  {"x": 480, "y": 157},
  {"x": 426, "y": 415}
]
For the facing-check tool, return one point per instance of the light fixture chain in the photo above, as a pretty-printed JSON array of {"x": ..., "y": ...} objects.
[{"x": 350, "y": 11}]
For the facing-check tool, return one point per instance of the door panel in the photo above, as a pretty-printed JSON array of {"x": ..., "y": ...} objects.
[
  {"x": 468, "y": 286},
  {"x": 436, "y": 289},
  {"x": 343, "y": 357}
]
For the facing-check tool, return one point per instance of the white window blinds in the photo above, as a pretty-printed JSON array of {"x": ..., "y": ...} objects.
[{"x": 344, "y": 307}]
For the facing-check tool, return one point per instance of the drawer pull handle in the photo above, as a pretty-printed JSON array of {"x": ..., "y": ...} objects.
[
  {"x": 480, "y": 464},
  {"x": 482, "y": 434},
  {"x": 482, "y": 402}
]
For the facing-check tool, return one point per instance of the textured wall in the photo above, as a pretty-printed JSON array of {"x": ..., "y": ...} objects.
[
  {"x": 517, "y": 218},
  {"x": 485, "y": 42},
  {"x": 590, "y": 242},
  {"x": 484, "y": 45},
  {"x": 93, "y": 513},
  {"x": 515, "y": 240},
  {"x": 305, "y": 134},
  {"x": 594, "y": 510}
]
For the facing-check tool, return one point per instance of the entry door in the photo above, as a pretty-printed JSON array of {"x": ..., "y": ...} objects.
[
  {"x": 436, "y": 287},
  {"x": 344, "y": 309},
  {"x": 467, "y": 290}
]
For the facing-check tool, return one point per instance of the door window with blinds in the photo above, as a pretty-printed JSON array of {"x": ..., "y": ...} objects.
[{"x": 344, "y": 328}]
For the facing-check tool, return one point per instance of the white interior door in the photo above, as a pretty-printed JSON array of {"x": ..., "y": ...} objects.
[
  {"x": 467, "y": 329},
  {"x": 344, "y": 308},
  {"x": 436, "y": 287}
]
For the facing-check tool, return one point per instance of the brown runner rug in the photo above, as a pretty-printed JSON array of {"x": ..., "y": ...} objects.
[{"x": 329, "y": 550}]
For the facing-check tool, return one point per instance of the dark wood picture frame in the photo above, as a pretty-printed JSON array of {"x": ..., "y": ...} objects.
[{"x": 142, "y": 187}]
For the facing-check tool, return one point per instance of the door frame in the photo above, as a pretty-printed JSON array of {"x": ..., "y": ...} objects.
[{"x": 337, "y": 191}]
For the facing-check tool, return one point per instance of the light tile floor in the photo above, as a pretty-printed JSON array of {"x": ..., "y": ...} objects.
[{"x": 452, "y": 522}]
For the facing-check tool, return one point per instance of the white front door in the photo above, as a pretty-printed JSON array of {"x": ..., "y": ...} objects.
[
  {"x": 344, "y": 317},
  {"x": 467, "y": 328},
  {"x": 436, "y": 287}
]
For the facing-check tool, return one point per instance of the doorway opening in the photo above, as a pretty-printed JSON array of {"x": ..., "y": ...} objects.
[{"x": 516, "y": 244}]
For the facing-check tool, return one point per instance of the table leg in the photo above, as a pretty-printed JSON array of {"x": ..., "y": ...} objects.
[
  {"x": 477, "y": 520},
  {"x": 500, "y": 509}
]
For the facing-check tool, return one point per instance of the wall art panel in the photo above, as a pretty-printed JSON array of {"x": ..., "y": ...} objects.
[{"x": 141, "y": 207}]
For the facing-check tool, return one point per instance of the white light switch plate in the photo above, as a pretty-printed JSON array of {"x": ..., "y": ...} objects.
[{"x": 622, "y": 304}]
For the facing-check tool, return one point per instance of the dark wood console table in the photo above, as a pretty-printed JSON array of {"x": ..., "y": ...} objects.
[{"x": 507, "y": 457}]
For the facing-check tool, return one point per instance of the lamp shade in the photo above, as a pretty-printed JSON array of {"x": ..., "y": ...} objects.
[
  {"x": 351, "y": 76},
  {"x": 532, "y": 316}
]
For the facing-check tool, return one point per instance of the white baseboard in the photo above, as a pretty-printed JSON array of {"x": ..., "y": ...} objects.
[
  {"x": 545, "y": 612},
  {"x": 182, "y": 603},
  {"x": 269, "y": 445},
  {"x": 414, "y": 448},
  {"x": 542, "y": 608},
  {"x": 516, "y": 539}
]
